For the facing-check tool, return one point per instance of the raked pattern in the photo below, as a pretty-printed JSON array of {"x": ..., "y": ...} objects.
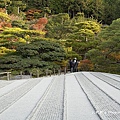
[
  {"x": 71, "y": 96},
  {"x": 105, "y": 107}
]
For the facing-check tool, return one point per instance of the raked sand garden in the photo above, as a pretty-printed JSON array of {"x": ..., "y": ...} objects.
[{"x": 73, "y": 96}]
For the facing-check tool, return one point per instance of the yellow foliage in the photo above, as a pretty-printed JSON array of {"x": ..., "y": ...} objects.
[
  {"x": 86, "y": 32},
  {"x": 27, "y": 37},
  {"x": 4, "y": 17},
  {"x": 68, "y": 49},
  {"x": 22, "y": 31},
  {"x": 115, "y": 56},
  {"x": 91, "y": 25},
  {"x": 4, "y": 50},
  {"x": 22, "y": 40}
]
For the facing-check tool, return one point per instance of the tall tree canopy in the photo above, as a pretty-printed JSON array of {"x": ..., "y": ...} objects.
[
  {"x": 39, "y": 54},
  {"x": 107, "y": 55},
  {"x": 102, "y": 10}
]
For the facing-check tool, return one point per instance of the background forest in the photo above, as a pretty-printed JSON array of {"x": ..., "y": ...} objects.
[{"x": 36, "y": 35}]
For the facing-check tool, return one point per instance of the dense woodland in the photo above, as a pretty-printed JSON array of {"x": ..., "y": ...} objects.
[
  {"x": 40, "y": 35},
  {"x": 103, "y": 10}
]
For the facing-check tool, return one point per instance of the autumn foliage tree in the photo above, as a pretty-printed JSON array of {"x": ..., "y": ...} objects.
[
  {"x": 33, "y": 14},
  {"x": 85, "y": 65},
  {"x": 40, "y": 24},
  {"x": 4, "y": 20},
  {"x": 13, "y": 31}
]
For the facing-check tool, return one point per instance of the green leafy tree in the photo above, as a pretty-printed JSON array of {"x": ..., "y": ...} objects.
[
  {"x": 19, "y": 33},
  {"x": 103, "y": 10},
  {"x": 85, "y": 35},
  {"x": 87, "y": 30},
  {"x": 39, "y": 53},
  {"x": 20, "y": 24},
  {"x": 58, "y": 26},
  {"x": 4, "y": 3},
  {"x": 91, "y": 8},
  {"x": 79, "y": 32},
  {"x": 107, "y": 55},
  {"x": 36, "y": 3},
  {"x": 16, "y": 6},
  {"x": 10, "y": 37},
  {"x": 111, "y": 11}
]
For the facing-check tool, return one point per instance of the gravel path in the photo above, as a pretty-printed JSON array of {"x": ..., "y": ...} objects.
[
  {"x": 116, "y": 77},
  {"x": 4, "y": 83},
  {"x": 12, "y": 86},
  {"x": 8, "y": 99},
  {"x": 113, "y": 81},
  {"x": 105, "y": 107},
  {"x": 52, "y": 105},
  {"x": 78, "y": 106},
  {"x": 25, "y": 104},
  {"x": 108, "y": 89},
  {"x": 74, "y": 96}
]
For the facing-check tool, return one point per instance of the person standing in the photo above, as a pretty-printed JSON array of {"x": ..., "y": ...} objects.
[
  {"x": 75, "y": 65},
  {"x": 71, "y": 65}
]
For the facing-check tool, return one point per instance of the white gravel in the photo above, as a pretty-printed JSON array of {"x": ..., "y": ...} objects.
[
  {"x": 106, "y": 108},
  {"x": 78, "y": 106},
  {"x": 51, "y": 106},
  {"x": 22, "y": 108},
  {"x": 112, "y": 76},
  {"x": 110, "y": 90},
  {"x": 74, "y": 96},
  {"x": 4, "y": 83},
  {"x": 11, "y": 86}
]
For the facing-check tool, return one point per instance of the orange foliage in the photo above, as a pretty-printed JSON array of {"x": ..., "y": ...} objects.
[
  {"x": 2, "y": 10},
  {"x": 43, "y": 21},
  {"x": 30, "y": 13},
  {"x": 116, "y": 56},
  {"x": 86, "y": 65},
  {"x": 5, "y": 24},
  {"x": 40, "y": 25}
]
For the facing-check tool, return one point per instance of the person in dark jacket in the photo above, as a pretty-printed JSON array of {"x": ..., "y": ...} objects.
[
  {"x": 75, "y": 65},
  {"x": 71, "y": 65}
]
